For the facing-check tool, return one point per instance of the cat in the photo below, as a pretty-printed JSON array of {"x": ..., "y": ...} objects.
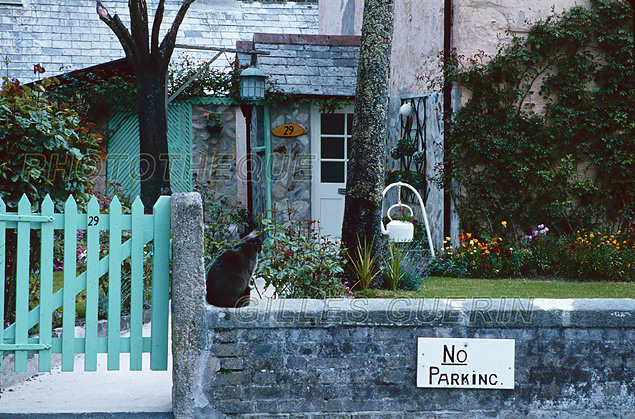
[{"x": 229, "y": 275}]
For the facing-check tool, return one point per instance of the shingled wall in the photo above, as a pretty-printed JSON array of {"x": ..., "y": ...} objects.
[{"x": 67, "y": 35}]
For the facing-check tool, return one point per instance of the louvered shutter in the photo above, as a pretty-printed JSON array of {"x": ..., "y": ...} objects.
[
  {"x": 180, "y": 146},
  {"x": 123, "y": 150},
  {"x": 123, "y": 154}
]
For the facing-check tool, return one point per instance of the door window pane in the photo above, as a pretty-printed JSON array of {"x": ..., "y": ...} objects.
[
  {"x": 332, "y": 148},
  {"x": 332, "y": 172},
  {"x": 332, "y": 123}
]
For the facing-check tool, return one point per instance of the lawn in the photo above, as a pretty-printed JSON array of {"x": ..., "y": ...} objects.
[{"x": 516, "y": 287}]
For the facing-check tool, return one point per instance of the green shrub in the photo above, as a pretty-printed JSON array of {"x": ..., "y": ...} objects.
[
  {"x": 223, "y": 222},
  {"x": 44, "y": 148},
  {"x": 299, "y": 263}
]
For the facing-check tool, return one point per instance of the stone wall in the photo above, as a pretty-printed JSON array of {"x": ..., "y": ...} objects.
[
  {"x": 291, "y": 163},
  {"x": 357, "y": 358},
  {"x": 220, "y": 167},
  {"x": 214, "y": 152}
]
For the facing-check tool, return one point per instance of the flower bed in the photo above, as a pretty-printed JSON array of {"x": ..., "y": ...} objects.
[{"x": 585, "y": 255}]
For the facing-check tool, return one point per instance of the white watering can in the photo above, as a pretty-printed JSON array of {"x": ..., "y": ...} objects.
[{"x": 403, "y": 231}]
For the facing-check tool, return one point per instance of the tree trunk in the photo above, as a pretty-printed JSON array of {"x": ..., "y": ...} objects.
[
  {"x": 153, "y": 137},
  {"x": 366, "y": 166},
  {"x": 150, "y": 60}
]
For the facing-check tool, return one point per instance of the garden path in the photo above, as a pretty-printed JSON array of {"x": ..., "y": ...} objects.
[{"x": 79, "y": 393}]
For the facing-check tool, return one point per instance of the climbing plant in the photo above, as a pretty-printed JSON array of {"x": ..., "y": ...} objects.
[
  {"x": 94, "y": 94},
  {"x": 547, "y": 132}
]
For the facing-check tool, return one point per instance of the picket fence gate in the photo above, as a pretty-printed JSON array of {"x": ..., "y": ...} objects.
[{"x": 142, "y": 229}]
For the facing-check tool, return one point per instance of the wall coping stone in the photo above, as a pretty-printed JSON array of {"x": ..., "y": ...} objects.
[{"x": 496, "y": 313}]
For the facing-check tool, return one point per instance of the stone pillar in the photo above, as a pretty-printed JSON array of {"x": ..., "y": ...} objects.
[{"x": 188, "y": 304}]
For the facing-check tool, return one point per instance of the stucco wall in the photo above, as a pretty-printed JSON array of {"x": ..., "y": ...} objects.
[
  {"x": 417, "y": 38},
  {"x": 418, "y": 33},
  {"x": 417, "y": 41},
  {"x": 340, "y": 17},
  {"x": 481, "y": 26}
]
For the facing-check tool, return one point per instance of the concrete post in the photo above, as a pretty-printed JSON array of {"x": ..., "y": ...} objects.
[{"x": 188, "y": 302}]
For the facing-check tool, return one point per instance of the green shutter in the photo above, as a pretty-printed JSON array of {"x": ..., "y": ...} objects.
[
  {"x": 123, "y": 153},
  {"x": 123, "y": 150},
  {"x": 180, "y": 146}
]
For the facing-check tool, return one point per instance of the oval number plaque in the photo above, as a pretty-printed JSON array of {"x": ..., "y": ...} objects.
[{"x": 288, "y": 130}]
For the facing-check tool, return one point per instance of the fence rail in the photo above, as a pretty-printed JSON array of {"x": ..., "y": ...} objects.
[{"x": 32, "y": 333}]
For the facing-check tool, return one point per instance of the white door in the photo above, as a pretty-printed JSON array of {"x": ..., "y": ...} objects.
[{"x": 330, "y": 141}]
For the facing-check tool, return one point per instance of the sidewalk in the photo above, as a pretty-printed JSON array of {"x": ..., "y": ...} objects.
[{"x": 100, "y": 394}]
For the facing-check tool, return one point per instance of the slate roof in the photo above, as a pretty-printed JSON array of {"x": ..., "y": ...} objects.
[{"x": 313, "y": 65}]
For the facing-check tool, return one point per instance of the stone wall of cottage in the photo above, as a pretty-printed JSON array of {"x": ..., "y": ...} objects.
[
  {"x": 292, "y": 162},
  {"x": 214, "y": 152}
]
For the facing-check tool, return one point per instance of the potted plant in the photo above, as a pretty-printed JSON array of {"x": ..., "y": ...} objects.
[{"x": 213, "y": 122}]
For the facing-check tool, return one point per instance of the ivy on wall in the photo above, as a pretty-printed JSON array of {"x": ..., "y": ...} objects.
[{"x": 570, "y": 165}]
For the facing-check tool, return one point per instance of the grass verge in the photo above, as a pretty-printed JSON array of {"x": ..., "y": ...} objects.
[{"x": 514, "y": 287}]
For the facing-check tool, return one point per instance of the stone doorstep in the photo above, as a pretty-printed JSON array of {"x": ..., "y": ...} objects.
[{"x": 8, "y": 376}]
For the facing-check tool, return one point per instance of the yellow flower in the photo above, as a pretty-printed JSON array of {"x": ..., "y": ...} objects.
[
  {"x": 504, "y": 223},
  {"x": 591, "y": 235}
]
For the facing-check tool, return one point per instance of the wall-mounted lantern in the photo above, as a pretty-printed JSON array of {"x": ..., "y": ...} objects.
[
  {"x": 252, "y": 89},
  {"x": 252, "y": 84}
]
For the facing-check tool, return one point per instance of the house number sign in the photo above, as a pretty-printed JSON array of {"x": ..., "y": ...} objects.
[
  {"x": 288, "y": 130},
  {"x": 465, "y": 363}
]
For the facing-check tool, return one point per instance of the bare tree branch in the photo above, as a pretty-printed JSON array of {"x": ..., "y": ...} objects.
[
  {"x": 156, "y": 26},
  {"x": 167, "y": 45},
  {"x": 120, "y": 30}
]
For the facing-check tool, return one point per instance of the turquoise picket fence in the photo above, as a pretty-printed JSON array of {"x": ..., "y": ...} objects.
[{"x": 32, "y": 330}]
